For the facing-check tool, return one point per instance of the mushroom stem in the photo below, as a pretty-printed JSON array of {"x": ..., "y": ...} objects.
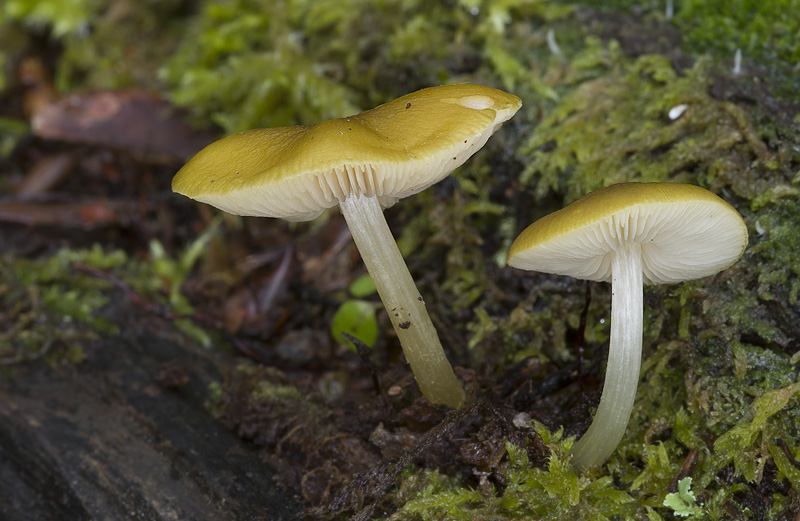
[
  {"x": 421, "y": 346},
  {"x": 624, "y": 361}
]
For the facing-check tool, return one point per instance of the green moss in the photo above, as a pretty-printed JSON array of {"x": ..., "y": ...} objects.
[
  {"x": 713, "y": 348},
  {"x": 618, "y": 128},
  {"x": 65, "y": 17},
  {"x": 263, "y": 388},
  {"x": 267, "y": 391},
  {"x": 776, "y": 245},
  {"x": 104, "y": 44},
  {"x": 762, "y": 30},
  {"x": 744, "y": 444},
  {"x": 248, "y": 64},
  {"x": 716, "y": 350},
  {"x": 51, "y": 311},
  {"x": 539, "y": 326},
  {"x": 616, "y": 5},
  {"x": 250, "y": 70},
  {"x": 552, "y": 493},
  {"x": 54, "y": 305}
]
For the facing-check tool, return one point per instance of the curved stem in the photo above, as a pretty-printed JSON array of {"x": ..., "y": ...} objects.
[
  {"x": 624, "y": 361},
  {"x": 403, "y": 302}
]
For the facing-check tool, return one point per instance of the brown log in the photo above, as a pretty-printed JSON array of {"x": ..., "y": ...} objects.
[{"x": 110, "y": 440}]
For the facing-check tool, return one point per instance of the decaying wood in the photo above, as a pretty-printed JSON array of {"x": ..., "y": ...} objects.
[{"x": 124, "y": 435}]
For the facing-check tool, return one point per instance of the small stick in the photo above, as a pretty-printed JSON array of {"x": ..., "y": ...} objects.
[{"x": 363, "y": 353}]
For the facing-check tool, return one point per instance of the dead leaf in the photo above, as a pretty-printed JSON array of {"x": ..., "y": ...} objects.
[{"x": 133, "y": 121}]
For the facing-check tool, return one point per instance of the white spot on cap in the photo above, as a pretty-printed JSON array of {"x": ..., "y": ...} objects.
[{"x": 476, "y": 102}]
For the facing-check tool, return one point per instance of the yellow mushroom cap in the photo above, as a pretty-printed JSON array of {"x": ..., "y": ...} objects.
[
  {"x": 685, "y": 232},
  {"x": 392, "y": 151}
]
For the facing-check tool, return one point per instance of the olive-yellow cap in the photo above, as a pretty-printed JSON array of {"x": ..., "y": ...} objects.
[
  {"x": 392, "y": 151},
  {"x": 685, "y": 232}
]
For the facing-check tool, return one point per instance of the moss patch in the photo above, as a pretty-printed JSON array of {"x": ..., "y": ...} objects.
[{"x": 50, "y": 311}]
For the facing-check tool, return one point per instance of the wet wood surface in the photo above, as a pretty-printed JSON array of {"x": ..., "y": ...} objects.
[{"x": 124, "y": 435}]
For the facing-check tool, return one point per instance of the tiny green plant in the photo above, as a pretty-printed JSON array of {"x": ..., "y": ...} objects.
[
  {"x": 171, "y": 272},
  {"x": 683, "y": 502},
  {"x": 362, "y": 287},
  {"x": 356, "y": 317}
]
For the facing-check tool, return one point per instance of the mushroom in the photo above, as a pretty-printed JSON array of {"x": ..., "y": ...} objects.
[
  {"x": 363, "y": 164},
  {"x": 629, "y": 234}
]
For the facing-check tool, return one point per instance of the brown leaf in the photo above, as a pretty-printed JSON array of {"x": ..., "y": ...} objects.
[
  {"x": 86, "y": 215},
  {"x": 133, "y": 121}
]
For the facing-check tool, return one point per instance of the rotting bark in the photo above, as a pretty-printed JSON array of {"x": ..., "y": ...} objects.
[{"x": 110, "y": 440}]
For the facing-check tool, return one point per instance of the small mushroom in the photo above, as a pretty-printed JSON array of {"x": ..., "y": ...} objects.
[
  {"x": 630, "y": 234},
  {"x": 362, "y": 164}
]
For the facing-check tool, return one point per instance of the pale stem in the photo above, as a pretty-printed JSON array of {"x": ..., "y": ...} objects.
[
  {"x": 624, "y": 362},
  {"x": 385, "y": 264}
]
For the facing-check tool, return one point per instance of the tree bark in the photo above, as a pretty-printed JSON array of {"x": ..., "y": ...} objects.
[{"x": 104, "y": 440}]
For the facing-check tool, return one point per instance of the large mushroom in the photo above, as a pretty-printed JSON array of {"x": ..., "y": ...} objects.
[
  {"x": 362, "y": 164},
  {"x": 630, "y": 234}
]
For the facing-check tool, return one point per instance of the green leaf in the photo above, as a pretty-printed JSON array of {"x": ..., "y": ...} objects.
[
  {"x": 362, "y": 287},
  {"x": 356, "y": 318}
]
